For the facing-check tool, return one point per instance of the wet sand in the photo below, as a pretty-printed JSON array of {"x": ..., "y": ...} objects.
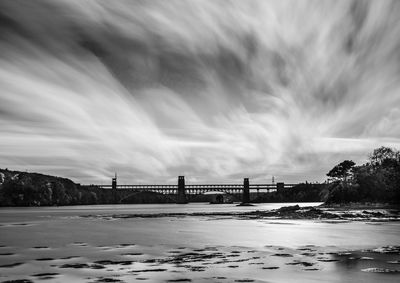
[{"x": 128, "y": 263}]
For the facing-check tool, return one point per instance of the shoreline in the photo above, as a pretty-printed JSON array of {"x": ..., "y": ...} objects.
[{"x": 350, "y": 213}]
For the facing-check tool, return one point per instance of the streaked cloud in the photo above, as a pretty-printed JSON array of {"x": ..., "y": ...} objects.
[{"x": 214, "y": 90}]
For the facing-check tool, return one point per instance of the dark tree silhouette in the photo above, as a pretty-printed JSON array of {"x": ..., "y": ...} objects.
[
  {"x": 376, "y": 181},
  {"x": 341, "y": 171},
  {"x": 383, "y": 155}
]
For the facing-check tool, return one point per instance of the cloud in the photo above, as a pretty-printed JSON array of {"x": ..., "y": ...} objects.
[{"x": 212, "y": 90}]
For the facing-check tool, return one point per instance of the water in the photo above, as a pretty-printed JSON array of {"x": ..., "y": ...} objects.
[{"x": 66, "y": 243}]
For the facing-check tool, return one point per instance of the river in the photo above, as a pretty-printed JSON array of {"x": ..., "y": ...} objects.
[{"x": 89, "y": 244}]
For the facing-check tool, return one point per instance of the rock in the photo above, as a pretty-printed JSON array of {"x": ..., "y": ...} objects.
[{"x": 288, "y": 208}]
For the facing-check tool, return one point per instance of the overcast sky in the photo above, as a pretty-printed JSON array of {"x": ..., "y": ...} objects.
[{"x": 213, "y": 90}]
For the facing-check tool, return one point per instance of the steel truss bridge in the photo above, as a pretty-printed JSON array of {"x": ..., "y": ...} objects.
[
  {"x": 199, "y": 188},
  {"x": 183, "y": 191}
]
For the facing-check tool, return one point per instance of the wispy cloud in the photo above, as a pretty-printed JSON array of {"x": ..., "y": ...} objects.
[{"x": 215, "y": 90}]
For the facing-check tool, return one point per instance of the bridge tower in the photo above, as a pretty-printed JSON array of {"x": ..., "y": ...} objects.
[
  {"x": 181, "y": 194},
  {"x": 280, "y": 186},
  {"x": 114, "y": 188},
  {"x": 246, "y": 191}
]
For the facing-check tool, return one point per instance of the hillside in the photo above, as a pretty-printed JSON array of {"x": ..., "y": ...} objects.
[{"x": 34, "y": 189}]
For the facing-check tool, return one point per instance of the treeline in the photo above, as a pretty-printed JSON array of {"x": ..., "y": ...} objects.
[
  {"x": 377, "y": 181},
  {"x": 33, "y": 189},
  {"x": 304, "y": 192}
]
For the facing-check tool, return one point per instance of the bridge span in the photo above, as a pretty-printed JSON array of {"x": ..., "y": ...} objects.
[{"x": 181, "y": 190}]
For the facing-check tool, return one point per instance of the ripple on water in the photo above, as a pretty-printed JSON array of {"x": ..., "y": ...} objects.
[
  {"x": 111, "y": 262},
  {"x": 327, "y": 260},
  {"x": 41, "y": 248},
  {"x": 70, "y": 257},
  {"x": 303, "y": 263},
  {"x": 387, "y": 250},
  {"x": 132, "y": 254},
  {"x": 11, "y": 265},
  {"x": 17, "y": 224},
  {"x": 44, "y": 259},
  {"x": 82, "y": 265},
  {"x": 380, "y": 270},
  {"x": 18, "y": 281},
  {"x": 149, "y": 270},
  {"x": 108, "y": 279},
  {"x": 45, "y": 276},
  {"x": 394, "y": 262},
  {"x": 282, "y": 255},
  {"x": 79, "y": 244}
]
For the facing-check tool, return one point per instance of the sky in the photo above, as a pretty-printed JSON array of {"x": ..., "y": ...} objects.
[{"x": 212, "y": 90}]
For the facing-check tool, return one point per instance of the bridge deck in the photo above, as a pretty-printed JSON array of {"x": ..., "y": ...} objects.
[{"x": 196, "y": 187}]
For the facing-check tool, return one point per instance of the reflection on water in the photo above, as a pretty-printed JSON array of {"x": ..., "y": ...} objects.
[{"x": 58, "y": 245}]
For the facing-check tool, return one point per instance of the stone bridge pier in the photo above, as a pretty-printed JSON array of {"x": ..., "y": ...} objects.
[
  {"x": 114, "y": 189},
  {"x": 246, "y": 191},
  {"x": 181, "y": 194}
]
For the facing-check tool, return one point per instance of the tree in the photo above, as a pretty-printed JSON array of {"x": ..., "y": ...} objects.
[
  {"x": 342, "y": 171},
  {"x": 385, "y": 167},
  {"x": 384, "y": 156},
  {"x": 376, "y": 181}
]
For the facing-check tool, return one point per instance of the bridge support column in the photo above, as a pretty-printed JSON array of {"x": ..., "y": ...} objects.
[
  {"x": 246, "y": 191},
  {"x": 181, "y": 194},
  {"x": 280, "y": 186},
  {"x": 114, "y": 189}
]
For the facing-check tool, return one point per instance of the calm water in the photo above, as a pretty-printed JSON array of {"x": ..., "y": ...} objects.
[{"x": 55, "y": 240}]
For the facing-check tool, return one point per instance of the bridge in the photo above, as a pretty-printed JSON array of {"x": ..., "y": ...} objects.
[{"x": 183, "y": 191}]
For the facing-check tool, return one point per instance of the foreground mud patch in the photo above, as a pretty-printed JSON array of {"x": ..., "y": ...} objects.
[{"x": 200, "y": 264}]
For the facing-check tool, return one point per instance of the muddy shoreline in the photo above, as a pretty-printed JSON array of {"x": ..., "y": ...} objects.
[{"x": 324, "y": 212}]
